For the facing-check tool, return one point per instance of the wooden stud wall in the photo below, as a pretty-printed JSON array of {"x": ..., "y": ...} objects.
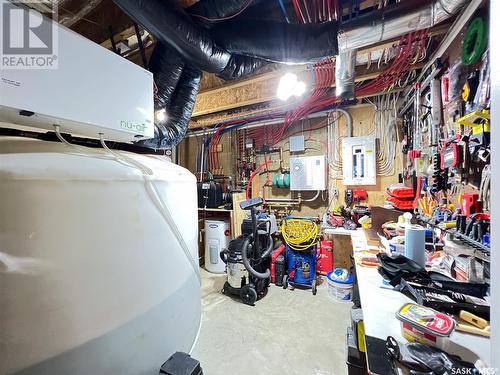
[{"x": 363, "y": 124}]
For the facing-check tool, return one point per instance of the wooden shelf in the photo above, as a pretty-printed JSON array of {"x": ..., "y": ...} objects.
[{"x": 214, "y": 210}]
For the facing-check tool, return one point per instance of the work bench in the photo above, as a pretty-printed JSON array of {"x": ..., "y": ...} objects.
[{"x": 380, "y": 303}]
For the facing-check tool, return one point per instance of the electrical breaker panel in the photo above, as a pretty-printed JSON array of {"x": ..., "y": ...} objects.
[
  {"x": 359, "y": 161},
  {"x": 308, "y": 173}
]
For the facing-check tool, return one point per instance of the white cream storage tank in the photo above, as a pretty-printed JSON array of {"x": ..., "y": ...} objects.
[{"x": 98, "y": 260}]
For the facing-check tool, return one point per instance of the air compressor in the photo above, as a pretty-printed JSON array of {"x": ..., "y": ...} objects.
[{"x": 247, "y": 257}]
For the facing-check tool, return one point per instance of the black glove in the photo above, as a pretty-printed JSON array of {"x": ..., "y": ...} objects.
[{"x": 425, "y": 359}]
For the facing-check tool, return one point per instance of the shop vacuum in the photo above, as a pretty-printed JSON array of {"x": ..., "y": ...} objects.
[{"x": 247, "y": 257}]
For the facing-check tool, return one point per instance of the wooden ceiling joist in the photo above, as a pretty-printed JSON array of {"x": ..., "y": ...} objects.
[{"x": 213, "y": 118}]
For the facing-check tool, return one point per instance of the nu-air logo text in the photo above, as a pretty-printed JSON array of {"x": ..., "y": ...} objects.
[{"x": 134, "y": 126}]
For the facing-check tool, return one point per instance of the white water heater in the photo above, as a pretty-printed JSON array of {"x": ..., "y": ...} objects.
[
  {"x": 92, "y": 90},
  {"x": 217, "y": 236}
]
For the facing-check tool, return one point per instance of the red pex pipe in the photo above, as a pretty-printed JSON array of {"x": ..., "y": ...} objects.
[{"x": 249, "y": 184}]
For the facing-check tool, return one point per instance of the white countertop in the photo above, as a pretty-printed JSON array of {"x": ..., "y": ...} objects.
[
  {"x": 338, "y": 231},
  {"x": 380, "y": 304}
]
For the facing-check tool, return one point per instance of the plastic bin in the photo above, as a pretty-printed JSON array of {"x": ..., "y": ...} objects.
[{"x": 340, "y": 290}]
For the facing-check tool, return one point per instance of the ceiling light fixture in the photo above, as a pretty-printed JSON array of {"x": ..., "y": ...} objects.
[
  {"x": 161, "y": 115},
  {"x": 299, "y": 89},
  {"x": 290, "y": 86}
]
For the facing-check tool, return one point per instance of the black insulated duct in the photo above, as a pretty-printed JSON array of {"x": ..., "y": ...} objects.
[
  {"x": 166, "y": 66},
  {"x": 217, "y": 10},
  {"x": 240, "y": 66},
  {"x": 181, "y": 108},
  {"x": 175, "y": 28},
  {"x": 278, "y": 41},
  {"x": 177, "y": 84},
  {"x": 256, "y": 39},
  {"x": 185, "y": 46}
]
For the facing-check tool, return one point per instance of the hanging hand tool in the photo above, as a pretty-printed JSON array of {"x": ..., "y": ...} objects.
[
  {"x": 471, "y": 323},
  {"x": 451, "y": 154},
  {"x": 470, "y": 204},
  {"x": 477, "y": 227}
]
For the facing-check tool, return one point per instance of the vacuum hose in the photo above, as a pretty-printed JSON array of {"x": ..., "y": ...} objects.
[
  {"x": 246, "y": 261},
  {"x": 270, "y": 246}
]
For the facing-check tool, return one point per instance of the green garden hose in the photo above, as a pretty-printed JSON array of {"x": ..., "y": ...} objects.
[{"x": 475, "y": 42}]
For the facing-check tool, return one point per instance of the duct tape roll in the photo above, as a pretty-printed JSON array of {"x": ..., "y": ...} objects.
[{"x": 415, "y": 243}]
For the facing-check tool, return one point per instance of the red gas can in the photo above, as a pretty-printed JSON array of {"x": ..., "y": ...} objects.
[{"x": 325, "y": 257}]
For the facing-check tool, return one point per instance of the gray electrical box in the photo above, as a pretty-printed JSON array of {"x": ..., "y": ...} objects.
[
  {"x": 308, "y": 173},
  {"x": 297, "y": 143}
]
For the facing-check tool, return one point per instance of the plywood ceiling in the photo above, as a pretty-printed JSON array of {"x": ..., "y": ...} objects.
[{"x": 90, "y": 18}]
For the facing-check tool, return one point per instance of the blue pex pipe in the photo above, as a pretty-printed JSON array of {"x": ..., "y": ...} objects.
[{"x": 283, "y": 10}]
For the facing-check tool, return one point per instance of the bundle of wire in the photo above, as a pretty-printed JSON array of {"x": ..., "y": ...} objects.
[
  {"x": 324, "y": 76},
  {"x": 386, "y": 132},
  {"x": 213, "y": 156},
  {"x": 299, "y": 234},
  {"x": 307, "y": 11},
  {"x": 410, "y": 50}
]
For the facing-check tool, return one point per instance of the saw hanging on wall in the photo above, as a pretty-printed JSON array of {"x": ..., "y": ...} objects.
[{"x": 450, "y": 153}]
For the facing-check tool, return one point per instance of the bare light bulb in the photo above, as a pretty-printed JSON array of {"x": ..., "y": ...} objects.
[
  {"x": 290, "y": 86},
  {"x": 299, "y": 89},
  {"x": 286, "y": 86},
  {"x": 161, "y": 115}
]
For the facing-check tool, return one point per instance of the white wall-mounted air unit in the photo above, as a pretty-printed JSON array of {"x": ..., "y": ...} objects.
[{"x": 91, "y": 90}]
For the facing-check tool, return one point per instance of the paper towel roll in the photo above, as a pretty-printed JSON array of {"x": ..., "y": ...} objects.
[{"x": 415, "y": 244}]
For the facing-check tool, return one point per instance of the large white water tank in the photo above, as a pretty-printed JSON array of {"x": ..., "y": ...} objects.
[{"x": 94, "y": 277}]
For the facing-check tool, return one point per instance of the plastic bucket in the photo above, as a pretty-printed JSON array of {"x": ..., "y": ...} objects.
[{"x": 340, "y": 290}]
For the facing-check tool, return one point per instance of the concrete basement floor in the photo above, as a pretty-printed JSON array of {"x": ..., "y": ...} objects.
[{"x": 287, "y": 332}]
